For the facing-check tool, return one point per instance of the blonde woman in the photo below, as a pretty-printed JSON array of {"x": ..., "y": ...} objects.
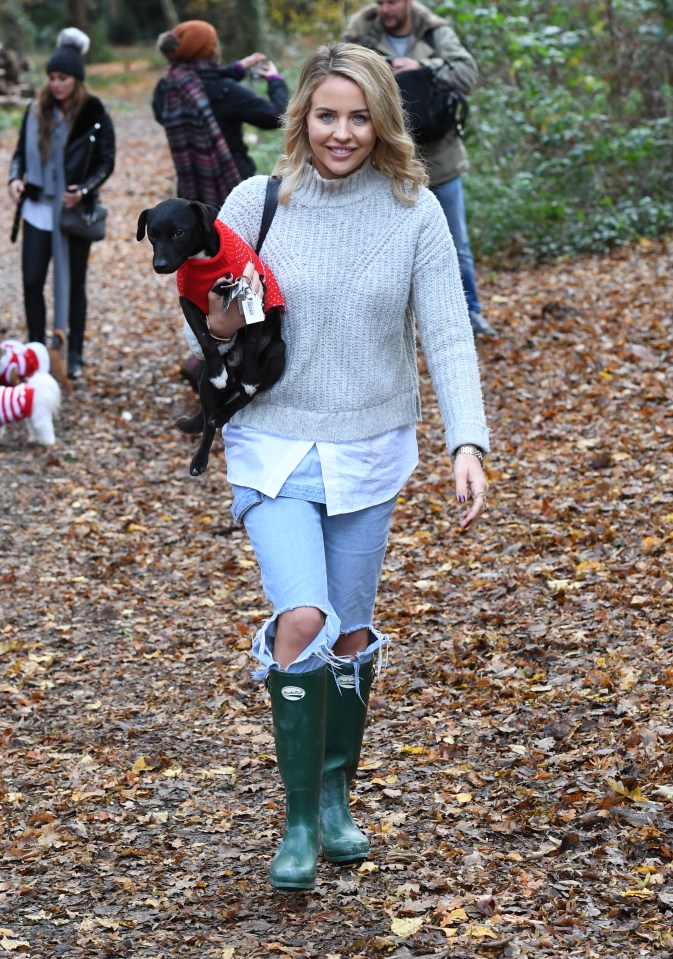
[{"x": 360, "y": 247}]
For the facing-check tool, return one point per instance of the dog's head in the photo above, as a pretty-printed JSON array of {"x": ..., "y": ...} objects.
[{"x": 178, "y": 229}]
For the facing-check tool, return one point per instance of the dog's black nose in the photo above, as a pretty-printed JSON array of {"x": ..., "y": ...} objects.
[{"x": 161, "y": 266}]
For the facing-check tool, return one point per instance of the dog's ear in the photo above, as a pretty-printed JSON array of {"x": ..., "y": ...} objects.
[
  {"x": 206, "y": 212},
  {"x": 206, "y": 216},
  {"x": 142, "y": 220}
]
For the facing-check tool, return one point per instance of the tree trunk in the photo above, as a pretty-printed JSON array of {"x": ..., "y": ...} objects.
[
  {"x": 77, "y": 15},
  {"x": 170, "y": 13},
  {"x": 11, "y": 28},
  {"x": 249, "y": 27}
]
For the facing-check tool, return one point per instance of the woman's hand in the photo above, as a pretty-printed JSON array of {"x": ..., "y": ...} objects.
[
  {"x": 72, "y": 196},
  {"x": 16, "y": 189},
  {"x": 471, "y": 484},
  {"x": 252, "y": 60},
  {"x": 268, "y": 70},
  {"x": 224, "y": 323}
]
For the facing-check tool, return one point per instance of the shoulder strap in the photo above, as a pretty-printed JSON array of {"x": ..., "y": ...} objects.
[
  {"x": 431, "y": 41},
  {"x": 270, "y": 204}
]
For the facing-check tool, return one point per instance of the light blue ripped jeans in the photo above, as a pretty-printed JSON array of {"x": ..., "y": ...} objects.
[{"x": 307, "y": 558}]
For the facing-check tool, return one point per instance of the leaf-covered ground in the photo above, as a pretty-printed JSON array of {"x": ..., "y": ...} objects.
[{"x": 517, "y": 778}]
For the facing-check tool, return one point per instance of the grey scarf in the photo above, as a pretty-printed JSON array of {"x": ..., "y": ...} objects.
[{"x": 50, "y": 177}]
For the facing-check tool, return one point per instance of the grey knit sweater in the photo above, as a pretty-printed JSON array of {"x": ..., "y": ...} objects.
[{"x": 355, "y": 265}]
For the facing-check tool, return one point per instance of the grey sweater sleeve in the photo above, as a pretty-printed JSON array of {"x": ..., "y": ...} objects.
[{"x": 444, "y": 327}]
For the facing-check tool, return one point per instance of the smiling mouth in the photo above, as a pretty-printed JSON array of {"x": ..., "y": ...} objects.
[{"x": 341, "y": 151}]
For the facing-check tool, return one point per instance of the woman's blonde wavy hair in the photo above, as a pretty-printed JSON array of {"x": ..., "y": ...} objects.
[{"x": 394, "y": 152}]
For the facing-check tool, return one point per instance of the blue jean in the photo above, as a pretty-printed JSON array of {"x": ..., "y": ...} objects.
[
  {"x": 452, "y": 200},
  {"x": 307, "y": 558}
]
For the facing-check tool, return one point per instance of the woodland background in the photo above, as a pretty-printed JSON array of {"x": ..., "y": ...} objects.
[
  {"x": 571, "y": 129},
  {"x": 517, "y": 775}
]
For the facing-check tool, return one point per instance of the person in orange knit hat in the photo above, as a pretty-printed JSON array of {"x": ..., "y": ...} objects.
[
  {"x": 197, "y": 40},
  {"x": 202, "y": 106}
]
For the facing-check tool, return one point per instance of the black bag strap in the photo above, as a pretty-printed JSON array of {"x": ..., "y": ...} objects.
[
  {"x": 270, "y": 204},
  {"x": 462, "y": 107},
  {"x": 430, "y": 39}
]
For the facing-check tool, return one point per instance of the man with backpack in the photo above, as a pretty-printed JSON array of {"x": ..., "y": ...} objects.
[{"x": 411, "y": 37}]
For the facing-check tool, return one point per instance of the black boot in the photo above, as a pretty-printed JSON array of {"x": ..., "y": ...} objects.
[
  {"x": 75, "y": 361},
  {"x": 480, "y": 325},
  {"x": 342, "y": 840},
  {"x": 298, "y": 709},
  {"x": 75, "y": 366}
]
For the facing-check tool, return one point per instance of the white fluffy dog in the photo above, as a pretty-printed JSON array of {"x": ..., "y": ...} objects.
[{"x": 35, "y": 401}]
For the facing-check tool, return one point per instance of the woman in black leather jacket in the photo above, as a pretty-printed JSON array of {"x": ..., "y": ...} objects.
[{"x": 66, "y": 150}]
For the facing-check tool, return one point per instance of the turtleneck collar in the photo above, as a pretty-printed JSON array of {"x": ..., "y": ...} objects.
[{"x": 341, "y": 191}]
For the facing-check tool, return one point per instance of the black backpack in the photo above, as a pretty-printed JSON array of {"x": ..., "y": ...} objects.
[{"x": 433, "y": 105}]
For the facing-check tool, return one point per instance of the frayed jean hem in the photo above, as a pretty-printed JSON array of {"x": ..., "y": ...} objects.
[
  {"x": 378, "y": 642},
  {"x": 316, "y": 654}
]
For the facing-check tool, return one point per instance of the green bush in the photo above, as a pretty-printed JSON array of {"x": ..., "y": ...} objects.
[{"x": 571, "y": 130}]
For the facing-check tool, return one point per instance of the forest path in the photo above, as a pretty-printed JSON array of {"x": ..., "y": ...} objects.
[{"x": 516, "y": 779}]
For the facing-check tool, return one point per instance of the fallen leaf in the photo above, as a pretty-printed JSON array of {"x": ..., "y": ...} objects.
[
  {"x": 142, "y": 764},
  {"x": 403, "y": 928}
]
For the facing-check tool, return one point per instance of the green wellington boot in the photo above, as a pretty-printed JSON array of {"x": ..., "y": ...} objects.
[
  {"x": 298, "y": 709},
  {"x": 342, "y": 841}
]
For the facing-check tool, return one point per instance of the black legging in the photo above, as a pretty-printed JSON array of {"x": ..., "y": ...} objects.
[{"x": 35, "y": 258}]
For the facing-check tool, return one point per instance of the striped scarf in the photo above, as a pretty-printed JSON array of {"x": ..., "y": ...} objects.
[
  {"x": 16, "y": 403},
  {"x": 203, "y": 162}
]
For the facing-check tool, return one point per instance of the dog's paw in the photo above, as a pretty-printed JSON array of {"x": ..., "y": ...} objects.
[
  {"x": 198, "y": 466},
  {"x": 220, "y": 381},
  {"x": 41, "y": 432}
]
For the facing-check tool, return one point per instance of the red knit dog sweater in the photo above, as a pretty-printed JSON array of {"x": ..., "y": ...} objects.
[{"x": 196, "y": 278}]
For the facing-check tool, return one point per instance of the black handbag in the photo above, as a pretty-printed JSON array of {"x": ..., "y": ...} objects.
[{"x": 86, "y": 220}]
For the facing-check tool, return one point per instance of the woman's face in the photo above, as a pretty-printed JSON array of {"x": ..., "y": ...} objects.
[
  {"x": 340, "y": 129},
  {"x": 62, "y": 87}
]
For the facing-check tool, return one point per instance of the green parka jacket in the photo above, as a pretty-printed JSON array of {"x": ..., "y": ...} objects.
[{"x": 445, "y": 158}]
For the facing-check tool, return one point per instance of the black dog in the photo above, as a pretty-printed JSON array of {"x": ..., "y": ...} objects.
[{"x": 179, "y": 230}]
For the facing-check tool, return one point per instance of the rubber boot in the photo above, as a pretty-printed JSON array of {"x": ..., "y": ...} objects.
[
  {"x": 342, "y": 840},
  {"x": 298, "y": 709}
]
